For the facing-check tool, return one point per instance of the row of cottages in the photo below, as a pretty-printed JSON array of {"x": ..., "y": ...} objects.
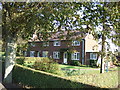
[{"x": 79, "y": 46}]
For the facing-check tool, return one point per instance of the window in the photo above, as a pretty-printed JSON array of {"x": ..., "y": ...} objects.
[
  {"x": 45, "y": 53},
  {"x": 32, "y": 44},
  {"x": 75, "y": 56},
  {"x": 25, "y": 53},
  {"x": 56, "y": 55},
  {"x": 93, "y": 56},
  {"x": 56, "y": 43},
  {"x": 38, "y": 54},
  {"x": 32, "y": 53},
  {"x": 45, "y": 43},
  {"x": 75, "y": 43}
]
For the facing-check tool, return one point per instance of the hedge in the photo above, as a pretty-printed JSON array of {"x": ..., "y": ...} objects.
[{"x": 39, "y": 79}]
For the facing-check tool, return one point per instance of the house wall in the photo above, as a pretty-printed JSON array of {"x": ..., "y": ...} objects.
[
  {"x": 91, "y": 45},
  {"x": 51, "y": 48},
  {"x": 88, "y": 57},
  {"x": 87, "y": 46}
]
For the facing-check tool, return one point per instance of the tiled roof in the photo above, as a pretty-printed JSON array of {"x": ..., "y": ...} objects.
[{"x": 61, "y": 35}]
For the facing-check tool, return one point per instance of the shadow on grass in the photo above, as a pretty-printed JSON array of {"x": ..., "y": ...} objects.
[{"x": 38, "y": 79}]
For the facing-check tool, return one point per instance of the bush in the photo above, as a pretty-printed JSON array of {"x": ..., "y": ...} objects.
[
  {"x": 20, "y": 60},
  {"x": 47, "y": 65},
  {"x": 93, "y": 63},
  {"x": 29, "y": 64},
  {"x": 40, "y": 63},
  {"x": 27, "y": 60},
  {"x": 75, "y": 63},
  {"x": 2, "y": 53},
  {"x": 72, "y": 72},
  {"x": 117, "y": 63}
]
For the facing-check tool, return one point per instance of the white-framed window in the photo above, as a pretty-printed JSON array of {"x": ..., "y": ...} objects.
[
  {"x": 45, "y": 54},
  {"x": 75, "y": 43},
  {"x": 56, "y": 43},
  {"x": 56, "y": 55},
  {"x": 93, "y": 56},
  {"x": 32, "y": 44},
  {"x": 25, "y": 53},
  {"x": 32, "y": 53},
  {"x": 38, "y": 54},
  {"x": 45, "y": 43},
  {"x": 75, "y": 56}
]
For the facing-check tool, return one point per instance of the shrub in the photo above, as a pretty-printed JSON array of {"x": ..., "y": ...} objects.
[
  {"x": 75, "y": 63},
  {"x": 71, "y": 72},
  {"x": 93, "y": 63},
  {"x": 39, "y": 63},
  {"x": 117, "y": 63},
  {"x": 20, "y": 60},
  {"x": 46, "y": 64},
  {"x": 29, "y": 64},
  {"x": 27, "y": 60},
  {"x": 2, "y": 53}
]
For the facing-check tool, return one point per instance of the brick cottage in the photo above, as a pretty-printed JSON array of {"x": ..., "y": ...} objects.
[{"x": 79, "y": 46}]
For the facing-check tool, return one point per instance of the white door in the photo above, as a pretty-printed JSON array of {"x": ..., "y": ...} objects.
[
  {"x": 65, "y": 57},
  {"x": 32, "y": 53}
]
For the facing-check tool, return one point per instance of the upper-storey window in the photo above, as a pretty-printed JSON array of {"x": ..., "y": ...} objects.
[
  {"x": 76, "y": 43},
  {"x": 56, "y": 43},
  {"x": 45, "y": 43},
  {"x": 32, "y": 44}
]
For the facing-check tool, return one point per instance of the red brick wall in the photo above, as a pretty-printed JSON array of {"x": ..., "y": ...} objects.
[
  {"x": 51, "y": 48},
  {"x": 88, "y": 57}
]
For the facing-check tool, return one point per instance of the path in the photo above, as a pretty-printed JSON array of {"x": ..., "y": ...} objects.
[
  {"x": 2, "y": 87},
  {"x": 78, "y": 69}
]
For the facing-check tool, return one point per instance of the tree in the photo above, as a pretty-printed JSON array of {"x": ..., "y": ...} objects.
[
  {"x": 23, "y": 19},
  {"x": 106, "y": 16}
]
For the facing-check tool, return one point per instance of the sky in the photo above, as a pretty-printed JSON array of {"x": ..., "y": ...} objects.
[{"x": 112, "y": 46}]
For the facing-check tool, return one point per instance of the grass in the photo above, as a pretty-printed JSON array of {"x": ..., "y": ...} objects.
[
  {"x": 77, "y": 70},
  {"x": 105, "y": 80},
  {"x": 74, "y": 67},
  {"x": 88, "y": 75},
  {"x": 82, "y": 70},
  {"x": 93, "y": 77}
]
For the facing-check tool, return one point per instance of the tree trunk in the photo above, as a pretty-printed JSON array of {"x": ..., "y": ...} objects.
[
  {"x": 102, "y": 54},
  {"x": 10, "y": 58}
]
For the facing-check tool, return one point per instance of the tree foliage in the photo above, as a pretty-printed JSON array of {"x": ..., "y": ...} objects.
[{"x": 23, "y": 19}]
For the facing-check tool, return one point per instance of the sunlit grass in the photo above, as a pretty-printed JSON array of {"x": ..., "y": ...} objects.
[
  {"x": 104, "y": 80},
  {"x": 75, "y": 67},
  {"x": 92, "y": 76}
]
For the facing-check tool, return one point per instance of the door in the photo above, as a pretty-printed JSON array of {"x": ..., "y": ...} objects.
[{"x": 65, "y": 57}]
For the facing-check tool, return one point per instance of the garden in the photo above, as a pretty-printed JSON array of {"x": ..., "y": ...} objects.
[{"x": 66, "y": 73}]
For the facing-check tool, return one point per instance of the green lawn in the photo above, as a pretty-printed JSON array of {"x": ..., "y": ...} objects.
[
  {"x": 74, "y": 67},
  {"x": 93, "y": 77},
  {"x": 105, "y": 80},
  {"x": 82, "y": 70},
  {"x": 90, "y": 76},
  {"x": 77, "y": 70}
]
